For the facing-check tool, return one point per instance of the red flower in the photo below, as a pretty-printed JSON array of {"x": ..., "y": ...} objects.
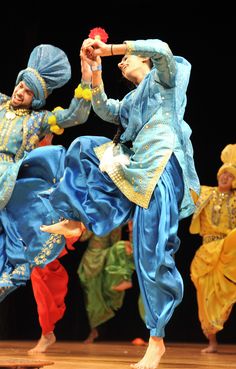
[{"x": 98, "y": 33}]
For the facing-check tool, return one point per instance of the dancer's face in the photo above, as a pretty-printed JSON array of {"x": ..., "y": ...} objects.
[
  {"x": 22, "y": 96},
  {"x": 225, "y": 180}
]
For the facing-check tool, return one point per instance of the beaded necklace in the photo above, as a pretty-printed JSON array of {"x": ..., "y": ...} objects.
[{"x": 11, "y": 113}]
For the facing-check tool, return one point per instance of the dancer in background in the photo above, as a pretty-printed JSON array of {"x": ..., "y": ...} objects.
[
  {"x": 213, "y": 269},
  {"x": 105, "y": 272}
]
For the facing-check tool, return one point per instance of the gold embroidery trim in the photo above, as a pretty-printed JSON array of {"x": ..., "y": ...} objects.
[
  {"x": 20, "y": 152},
  {"x": 6, "y": 157},
  {"x": 125, "y": 186},
  {"x": 41, "y": 80},
  {"x": 46, "y": 250},
  {"x": 210, "y": 238},
  {"x": 98, "y": 89},
  {"x": 130, "y": 47}
]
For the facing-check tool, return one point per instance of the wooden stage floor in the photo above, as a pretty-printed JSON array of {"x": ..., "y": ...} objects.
[{"x": 119, "y": 355}]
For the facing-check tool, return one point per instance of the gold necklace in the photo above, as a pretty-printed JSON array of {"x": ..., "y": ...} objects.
[{"x": 11, "y": 113}]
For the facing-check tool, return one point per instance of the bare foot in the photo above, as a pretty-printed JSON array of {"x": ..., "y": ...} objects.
[
  {"x": 68, "y": 228},
  {"x": 209, "y": 349},
  {"x": 152, "y": 357},
  {"x": 43, "y": 344},
  {"x": 124, "y": 285},
  {"x": 213, "y": 345},
  {"x": 92, "y": 336}
]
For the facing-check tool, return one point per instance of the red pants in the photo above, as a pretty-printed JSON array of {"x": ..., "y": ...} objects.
[{"x": 50, "y": 288}]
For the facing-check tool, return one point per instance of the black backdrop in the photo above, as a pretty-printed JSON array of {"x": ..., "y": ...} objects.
[{"x": 204, "y": 39}]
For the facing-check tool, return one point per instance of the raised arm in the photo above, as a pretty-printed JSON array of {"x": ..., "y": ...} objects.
[
  {"x": 159, "y": 52},
  {"x": 79, "y": 108},
  {"x": 106, "y": 109}
]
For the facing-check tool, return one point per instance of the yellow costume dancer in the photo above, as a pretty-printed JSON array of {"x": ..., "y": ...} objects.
[{"x": 213, "y": 269}]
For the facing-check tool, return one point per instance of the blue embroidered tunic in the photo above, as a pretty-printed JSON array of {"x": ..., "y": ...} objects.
[{"x": 152, "y": 117}]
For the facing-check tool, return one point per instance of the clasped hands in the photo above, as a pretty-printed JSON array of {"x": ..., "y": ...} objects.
[{"x": 93, "y": 49}]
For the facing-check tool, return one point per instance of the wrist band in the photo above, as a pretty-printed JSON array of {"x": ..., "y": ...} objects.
[
  {"x": 112, "y": 49},
  {"x": 94, "y": 68}
]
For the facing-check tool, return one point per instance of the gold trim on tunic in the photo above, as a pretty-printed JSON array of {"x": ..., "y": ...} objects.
[
  {"x": 214, "y": 237},
  {"x": 117, "y": 176}
]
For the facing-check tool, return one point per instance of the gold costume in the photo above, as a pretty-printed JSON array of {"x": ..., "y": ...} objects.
[{"x": 213, "y": 268}]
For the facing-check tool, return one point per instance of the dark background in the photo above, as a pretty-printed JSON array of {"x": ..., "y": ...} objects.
[{"x": 205, "y": 39}]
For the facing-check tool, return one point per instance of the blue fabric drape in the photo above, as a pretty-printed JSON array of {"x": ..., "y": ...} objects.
[{"x": 88, "y": 195}]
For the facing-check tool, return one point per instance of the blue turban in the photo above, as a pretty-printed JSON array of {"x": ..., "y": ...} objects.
[{"x": 48, "y": 68}]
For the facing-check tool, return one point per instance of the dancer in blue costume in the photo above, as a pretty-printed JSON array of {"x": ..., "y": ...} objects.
[
  {"x": 106, "y": 183},
  {"x": 23, "y": 172}
]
